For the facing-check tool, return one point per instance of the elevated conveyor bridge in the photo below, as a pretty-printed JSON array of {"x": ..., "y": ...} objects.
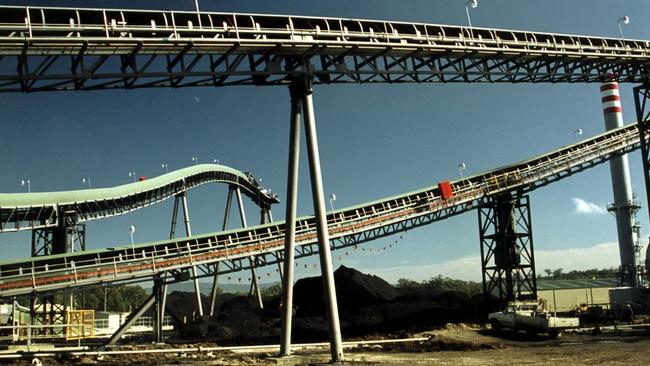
[
  {"x": 49, "y": 49},
  {"x": 347, "y": 227},
  {"x": 29, "y": 211}
]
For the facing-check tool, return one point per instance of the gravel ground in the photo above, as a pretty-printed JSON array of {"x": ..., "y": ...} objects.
[{"x": 454, "y": 345}]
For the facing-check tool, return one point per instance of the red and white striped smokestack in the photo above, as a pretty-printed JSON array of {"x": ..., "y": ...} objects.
[
  {"x": 611, "y": 99},
  {"x": 620, "y": 171}
]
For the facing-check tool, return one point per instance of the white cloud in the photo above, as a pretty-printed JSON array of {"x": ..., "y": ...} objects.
[
  {"x": 588, "y": 208},
  {"x": 603, "y": 255}
]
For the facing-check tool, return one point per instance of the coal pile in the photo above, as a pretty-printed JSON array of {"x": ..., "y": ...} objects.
[
  {"x": 181, "y": 306},
  {"x": 367, "y": 305},
  {"x": 353, "y": 291}
]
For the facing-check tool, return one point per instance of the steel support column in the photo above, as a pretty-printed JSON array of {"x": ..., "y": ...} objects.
[
  {"x": 507, "y": 253},
  {"x": 159, "y": 313},
  {"x": 641, "y": 97},
  {"x": 265, "y": 216},
  {"x": 290, "y": 221},
  {"x": 254, "y": 285},
  {"x": 336, "y": 345},
  {"x": 161, "y": 298},
  {"x": 215, "y": 290},
  {"x": 215, "y": 280},
  {"x": 195, "y": 274},
  {"x": 226, "y": 215},
  {"x": 172, "y": 229}
]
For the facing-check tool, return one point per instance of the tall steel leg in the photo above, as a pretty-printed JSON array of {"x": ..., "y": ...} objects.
[
  {"x": 215, "y": 289},
  {"x": 161, "y": 300},
  {"x": 290, "y": 221},
  {"x": 172, "y": 229},
  {"x": 226, "y": 216},
  {"x": 215, "y": 280},
  {"x": 188, "y": 232},
  {"x": 159, "y": 313},
  {"x": 240, "y": 204},
  {"x": 242, "y": 216},
  {"x": 186, "y": 215},
  {"x": 336, "y": 346},
  {"x": 254, "y": 283},
  {"x": 266, "y": 217}
]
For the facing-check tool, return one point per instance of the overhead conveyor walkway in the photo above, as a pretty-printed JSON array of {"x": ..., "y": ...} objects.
[
  {"x": 29, "y": 211},
  {"x": 347, "y": 227},
  {"x": 54, "y": 49}
]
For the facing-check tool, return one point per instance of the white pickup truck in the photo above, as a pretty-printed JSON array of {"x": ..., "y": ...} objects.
[{"x": 532, "y": 317}]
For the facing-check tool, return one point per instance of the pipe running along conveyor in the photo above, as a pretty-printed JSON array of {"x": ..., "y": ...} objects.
[
  {"x": 28, "y": 211},
  {"x": 347, "y": 227}
]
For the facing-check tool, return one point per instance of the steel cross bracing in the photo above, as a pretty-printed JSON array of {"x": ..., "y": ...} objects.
[
  {"x": 15, "y": 216},
  {"x": 507, "y": 252},
  {"x": 46, "y": 49},
  {"x": 347, "y": 227}
]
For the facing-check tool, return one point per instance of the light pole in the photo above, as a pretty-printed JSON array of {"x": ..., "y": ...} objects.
[
  {"x": 195, "y": 160},
  {"x": 332, "y": 199},
  {"x": 132, "y": 174},
  {"x": 473, "y": 4},
  {"x": 164, "y": 166},
  {"x": 578, "y": 133},
  {"x": 87, "y": 180},
  {"x": 624, "y": 20},
  {"x": 26, "y": 182},
  {"x": 132, "y": 231},
  {"x": 461, "y": 167}
]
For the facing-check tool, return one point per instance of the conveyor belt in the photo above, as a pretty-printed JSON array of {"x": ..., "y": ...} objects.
[
  {"x": 348, "y": 226},
  {"x": 28, "y": 211},
  {"x": 55, "y": 49}
]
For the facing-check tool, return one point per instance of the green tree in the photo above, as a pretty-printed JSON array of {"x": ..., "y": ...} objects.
[
  {"x": 441, "y": 284},
  {"x": 548, "y": 272},
  {"x": 273, "y": 290},
  {"x": 406, "y": 283},
  {"x": 446, "y": 284},
  {"x": 118, "y": 298}
]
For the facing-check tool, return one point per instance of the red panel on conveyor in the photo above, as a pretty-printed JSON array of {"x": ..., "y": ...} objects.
[{"x": 445, "y": 189}]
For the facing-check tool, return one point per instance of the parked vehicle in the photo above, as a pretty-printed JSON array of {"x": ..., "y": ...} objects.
[{"x": 532, "y": 317}]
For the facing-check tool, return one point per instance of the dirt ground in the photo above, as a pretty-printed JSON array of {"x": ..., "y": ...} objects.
[{"x": 452, "y": 345}]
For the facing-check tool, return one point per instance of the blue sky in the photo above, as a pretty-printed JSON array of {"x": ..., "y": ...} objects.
[{"x": 376, "y": 140}]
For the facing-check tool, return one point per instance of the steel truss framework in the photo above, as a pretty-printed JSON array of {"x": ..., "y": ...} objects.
[
  {"x": 507, "y": 252},
  {"x": 641, "y": 97},
  {"x": 347, "y": 227},
  {"x": 45, "y": 49},
  {"x": 61, "y": 239},
  {"x": 47, "y": 309}
]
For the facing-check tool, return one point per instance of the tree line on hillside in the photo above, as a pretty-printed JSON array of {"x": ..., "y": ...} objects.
[
  {"x": 127, "y": 298},
  {"x": 559, "y": 274},
  {"x": 120, "y": 298},
  {"x": 440, "y": 284}
]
